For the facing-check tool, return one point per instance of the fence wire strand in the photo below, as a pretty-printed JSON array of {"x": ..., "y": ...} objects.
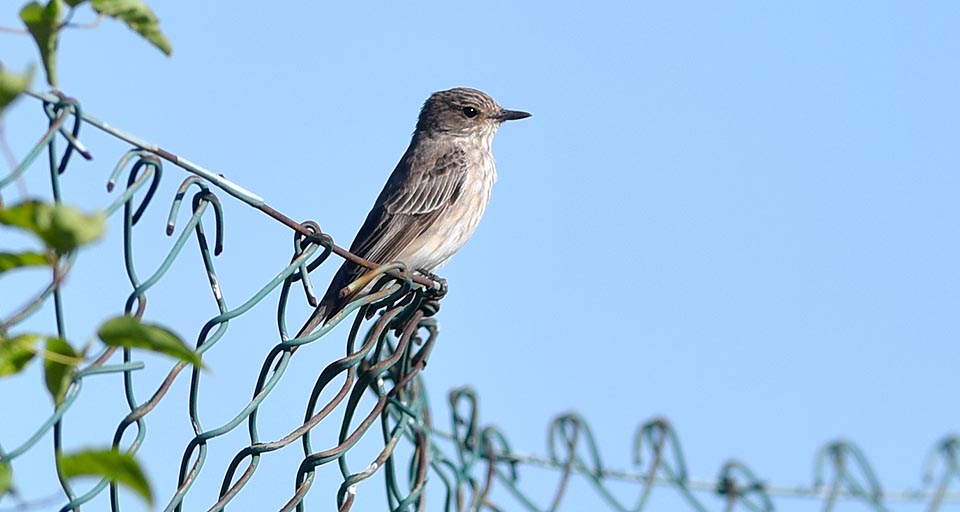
[{"x": 393, "y": 330}]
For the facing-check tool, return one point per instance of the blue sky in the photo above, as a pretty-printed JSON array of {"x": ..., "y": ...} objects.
[{"x": 740, "y": 216}]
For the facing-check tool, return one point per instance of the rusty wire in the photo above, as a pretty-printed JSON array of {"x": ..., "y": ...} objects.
[{"x": 473, "y": 464}]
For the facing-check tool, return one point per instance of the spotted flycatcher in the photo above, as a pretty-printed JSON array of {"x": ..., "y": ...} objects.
[{"x": 434, "y": 198}]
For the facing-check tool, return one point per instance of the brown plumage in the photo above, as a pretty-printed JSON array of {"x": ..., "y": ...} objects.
[{"x": 434, "y": 198}]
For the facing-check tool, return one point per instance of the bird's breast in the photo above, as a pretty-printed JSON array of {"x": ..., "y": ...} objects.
[{"x": 459, "y": 220}]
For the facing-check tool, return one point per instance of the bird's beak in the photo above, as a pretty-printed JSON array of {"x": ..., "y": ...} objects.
[{"x": 510, "y": 115}]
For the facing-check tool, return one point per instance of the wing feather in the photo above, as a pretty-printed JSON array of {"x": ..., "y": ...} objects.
[{"x": 416, "y": 195}]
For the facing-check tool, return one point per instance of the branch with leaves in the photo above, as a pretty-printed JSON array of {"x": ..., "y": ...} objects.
[
  {"x": 45, "y": 21},
  {"x": 61, "y": 231}
]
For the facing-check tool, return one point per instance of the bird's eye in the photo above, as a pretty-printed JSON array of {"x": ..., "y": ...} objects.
[{"x": 470, "y": 112}]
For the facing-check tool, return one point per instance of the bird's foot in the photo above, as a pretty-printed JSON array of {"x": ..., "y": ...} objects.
[{"x": 432, "y": 293}]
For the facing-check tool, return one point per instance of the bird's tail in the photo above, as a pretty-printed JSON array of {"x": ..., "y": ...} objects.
[
  {"x": 319, "y": 317},
  {"x": 329, "y": 305},
  {"x": 332, "y": 302}
]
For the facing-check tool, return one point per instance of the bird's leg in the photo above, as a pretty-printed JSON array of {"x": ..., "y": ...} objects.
[{"x": 431, "y": 293}]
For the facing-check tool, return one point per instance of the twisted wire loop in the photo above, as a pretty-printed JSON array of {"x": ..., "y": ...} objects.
[
  {"x": 850, "y": 471},
  {"x": 751, "y": 493},
  {"x": 947, "y": 450},
  {"x": 392, "y": 333}
]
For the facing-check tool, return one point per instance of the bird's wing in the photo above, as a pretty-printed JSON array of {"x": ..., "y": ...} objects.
[
  {"x": 418, "y": 191},
  {"x": 415, "y": 196}
]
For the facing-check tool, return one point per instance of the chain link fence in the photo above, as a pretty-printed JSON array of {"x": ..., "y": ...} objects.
[{"x": 376, "y": 390}]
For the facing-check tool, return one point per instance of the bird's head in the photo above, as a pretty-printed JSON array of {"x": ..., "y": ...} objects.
[{"x": 463, "y": 112}]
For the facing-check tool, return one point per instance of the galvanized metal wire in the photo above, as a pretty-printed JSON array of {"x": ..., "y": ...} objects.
[{"x": 384, "y": 358}]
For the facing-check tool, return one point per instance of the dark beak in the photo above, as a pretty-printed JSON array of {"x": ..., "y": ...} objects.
[{"x": 510, "y": 115}]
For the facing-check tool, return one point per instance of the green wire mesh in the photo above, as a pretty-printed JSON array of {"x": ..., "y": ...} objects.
[{"x": 391, "y": 337}]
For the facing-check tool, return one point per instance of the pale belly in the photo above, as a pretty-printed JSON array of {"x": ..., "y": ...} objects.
[{"x": 449, "y": 233}]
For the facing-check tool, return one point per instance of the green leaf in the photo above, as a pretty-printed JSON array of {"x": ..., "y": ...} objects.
[
  {"x": 138, "y": 17},
  {"x": 12, "y": 84},
  {"x": 74, "y": 3},
  {"x": 6, "y": 478},
  {"x": 12, "y": 260},
  {"x": 61, "y": 227},
  {"x": 118, "y": 467},
  {"x": 15, "y": 353},
  {"x": 43, "y": 22},
  {"x": 57, "y": 372},
  {"x": 129, "y": 332}
]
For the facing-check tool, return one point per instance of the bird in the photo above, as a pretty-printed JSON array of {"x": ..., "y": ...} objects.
[{"x": 434, "y": 198}]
